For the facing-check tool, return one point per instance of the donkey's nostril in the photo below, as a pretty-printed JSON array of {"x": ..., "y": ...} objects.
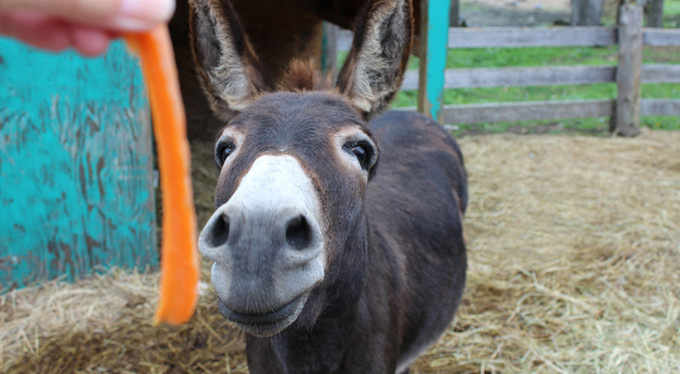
[
  {"x": 219, "y": 232},
  {"x": 298, "y": 233}
]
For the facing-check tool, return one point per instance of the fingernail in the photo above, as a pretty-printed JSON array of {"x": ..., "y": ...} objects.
[{"x": 142, "y": 14}]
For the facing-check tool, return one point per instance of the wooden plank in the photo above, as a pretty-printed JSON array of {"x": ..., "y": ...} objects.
[
  {"x": 531, "y": 76},
  {"x": 526, "y": 76},
  {"x": 661, "y": 37},
  {"x": 660, "y": 107},
  {"x": 434, "y": 25},
  {"x": 76, "y": 188},
  {"x": 345, "y": 39},
  {"x": 526, "y": 111},
  {"x": 660, "y": 73},
  {"x": 507, "y": 37},
  {"x": 543, "y": 76},
  {"x": 626, "y": 121},
  {"x": 411, "y": 78}
]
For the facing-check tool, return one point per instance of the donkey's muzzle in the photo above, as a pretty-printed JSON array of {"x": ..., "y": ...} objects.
[
  {"x": 267, "y": 260},
  {"x": 267, "y": 244}
]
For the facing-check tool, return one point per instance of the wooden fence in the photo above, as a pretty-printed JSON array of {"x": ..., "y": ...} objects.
[{"x": 629, "y": 73}]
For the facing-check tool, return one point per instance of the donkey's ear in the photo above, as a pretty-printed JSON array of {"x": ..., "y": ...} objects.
[
  {"x": 375, "y": 65},
  {"x": 227, "y": 66}
]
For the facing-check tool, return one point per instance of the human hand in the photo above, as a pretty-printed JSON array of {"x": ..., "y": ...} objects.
[{"x": 86, "y": 25}]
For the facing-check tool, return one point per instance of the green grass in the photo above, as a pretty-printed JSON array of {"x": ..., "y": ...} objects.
[
  {"x": 671, "y": 7},
  {"x": 671, "y": 13},
  {"x": 513, "y": 57},
  {"x": 588, "y": 126}
]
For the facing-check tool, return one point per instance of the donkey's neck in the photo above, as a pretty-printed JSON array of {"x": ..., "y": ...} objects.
[
  {"x": 323, "y": 349},
  {"x": 340, "y": 334},
  {"x": 338, "y": 344}
]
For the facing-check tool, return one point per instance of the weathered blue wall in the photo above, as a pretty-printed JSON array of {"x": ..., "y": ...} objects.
[
  {"x": 75, "y": 165},
  {"x": 435, "y": 28}
]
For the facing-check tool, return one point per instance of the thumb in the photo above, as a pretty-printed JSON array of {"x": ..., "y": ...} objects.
[{"x": 113, "y": 14}]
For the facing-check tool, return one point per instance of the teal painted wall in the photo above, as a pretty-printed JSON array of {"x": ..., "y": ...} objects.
[
  {"x": 434, "y": 61},
  {"x": 76, "y": 188}
]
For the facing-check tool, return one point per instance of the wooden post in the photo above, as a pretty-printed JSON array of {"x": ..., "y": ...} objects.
[
  {"x": 329, "y": 48},
  {"x": 434, "y": 33},
  {"x": 626, "y": 121}
]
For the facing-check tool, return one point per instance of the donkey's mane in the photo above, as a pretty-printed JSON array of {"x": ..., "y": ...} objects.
[{"x": 301, "y": 75}]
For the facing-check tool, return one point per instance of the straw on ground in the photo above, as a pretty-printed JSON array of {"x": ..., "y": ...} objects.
[{"x": 574, "y": 253}]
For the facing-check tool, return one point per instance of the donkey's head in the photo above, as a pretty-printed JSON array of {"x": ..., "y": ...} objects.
[{"x": 288, "y": 236}]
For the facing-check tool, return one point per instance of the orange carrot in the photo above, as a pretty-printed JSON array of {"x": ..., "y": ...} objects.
[{"x": 179, "y": 255}]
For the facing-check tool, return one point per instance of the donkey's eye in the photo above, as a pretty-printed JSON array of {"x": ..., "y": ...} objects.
[
  {"x": 222, "y": 152},
  {"x": 362, "y": 151}
]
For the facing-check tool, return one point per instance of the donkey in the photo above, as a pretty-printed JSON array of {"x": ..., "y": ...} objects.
[{"x": 337, "y": 242}]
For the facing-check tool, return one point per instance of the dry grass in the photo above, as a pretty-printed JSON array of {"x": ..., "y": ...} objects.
[
  {"x": 574, "y": 252},
  {"x": 103, "y": 325}
]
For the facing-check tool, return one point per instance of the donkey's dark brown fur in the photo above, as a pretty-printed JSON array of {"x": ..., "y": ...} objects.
[
  {"x": 358, "y": 264},
  {"x": 303, "y": 76}
]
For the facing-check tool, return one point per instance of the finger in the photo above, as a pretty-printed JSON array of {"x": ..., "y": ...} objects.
[
  {"x": 89, "y": 41},
  {"x": 37, "y": 30},
  {"x": 116, "y": 14}
]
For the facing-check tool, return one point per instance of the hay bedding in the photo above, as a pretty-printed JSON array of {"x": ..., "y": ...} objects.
[{"x": 574, "y": 252}]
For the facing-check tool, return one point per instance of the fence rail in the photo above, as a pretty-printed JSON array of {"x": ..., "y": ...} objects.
[
  {"x": 661, "y": 37},
  {"x": 543, "y": 76},
  {"x": 524, "y": 111},
  {"x": 512, "y": 37},
  {"x": 527, "y": 111},
  {"x": 547, "y": 110}
]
